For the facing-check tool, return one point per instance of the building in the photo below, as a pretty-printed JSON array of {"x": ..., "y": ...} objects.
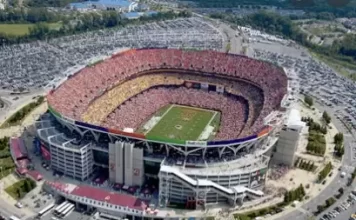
[
  {"x": 136, "y": 15},
  {"x": 289, "y": 139},
  {"x": 68, "y": 156},
  {"x": 193, "y": 173},
  {"x": 88, "y": 197},
  {"x": 110, "y": 5},
  {"x": 126, "y": 164}
]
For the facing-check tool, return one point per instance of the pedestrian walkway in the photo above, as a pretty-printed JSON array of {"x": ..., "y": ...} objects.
[{"x": 303, "y": 210}]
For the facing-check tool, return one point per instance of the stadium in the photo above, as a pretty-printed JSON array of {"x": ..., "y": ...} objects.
[{"x": 186, "y": 128}]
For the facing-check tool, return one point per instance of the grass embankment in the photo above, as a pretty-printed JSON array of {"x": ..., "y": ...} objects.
[
  {"x": 19, "y": 189},
  {"x": 7, "y": 165},
  {"x": 341, "y": 67},
  {"x": 23, "y": 29},
  {"x": 20, "y": 115}
]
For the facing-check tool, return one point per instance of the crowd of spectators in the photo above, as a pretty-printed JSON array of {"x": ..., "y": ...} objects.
[
  {"x": 85, "y": 88},
  {"x": 278, "y": 171},
  {"x": 38, "y": 64},
  {"x": 108, "y": 102},
  {"x": 139, "y": 108},
  {"x": 116, "y": 96}
]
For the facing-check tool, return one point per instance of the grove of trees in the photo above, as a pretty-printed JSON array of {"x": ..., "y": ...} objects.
[
  {"x": 260, "y": 212},
  {"x": 21, "y": 188},
  {"x": 316, "y": 144},
  {"x": 305, "y": 165},
  {"x": 4, "y": 143},
  {"x": 296, "y": 194},
  {"x": 327, "y": 204},
  {"x": 76, "y": 24},
  {"x": 31, "y": 15},
  {"x": 316, "y": 140},
  {"x": 325, "y": 171},
  {"x": 339, "y": 138},
  {"x": 320, "y": 8},
  {"x": 339, "y": 148},
  {"x": 273, "y": 23}
]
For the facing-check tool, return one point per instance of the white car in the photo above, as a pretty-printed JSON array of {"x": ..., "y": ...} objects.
[
  {"x": 335, "y": 212},
  {"x": 19, "y": 205},
  {"x": 343, "y": 207}
]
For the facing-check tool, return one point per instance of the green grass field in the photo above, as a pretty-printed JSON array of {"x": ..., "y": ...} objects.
[
  {"x": 183, "y": 123},
  {"x": 22, "y": 29},
  {"x": 19, "y": 189}
]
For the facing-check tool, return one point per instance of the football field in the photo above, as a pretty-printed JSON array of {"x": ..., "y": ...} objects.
[{"x": 183, "y": 123}]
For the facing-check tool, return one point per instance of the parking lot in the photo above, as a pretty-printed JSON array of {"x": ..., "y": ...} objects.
[{"x": 343, "y": 209}]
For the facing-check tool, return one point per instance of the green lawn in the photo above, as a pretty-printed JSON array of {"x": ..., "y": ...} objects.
[
  {"x": 22, "y": 29},
  {"x": 7, "y": 165},
  {"x": 19, "y": 189},
  {"x": 183, "y": 123}
]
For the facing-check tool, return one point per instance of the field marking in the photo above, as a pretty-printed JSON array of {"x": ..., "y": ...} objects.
[
  {"x": 160, "y": 119},
  {"x": 187, "y": 107},
  {"x": 212, "y": 118},
  {"x": 195, "y": 108}
]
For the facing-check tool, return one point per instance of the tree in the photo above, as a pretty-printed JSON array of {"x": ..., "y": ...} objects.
[
  {"x": 326, "y": 117},
  {"x": 32, "y": 184},
  {"x": 339, "y": 138},
  {"x": 320, "y": 208},
  {"x": 341, "y": 190},
  {"x": 26, "y": 186}
]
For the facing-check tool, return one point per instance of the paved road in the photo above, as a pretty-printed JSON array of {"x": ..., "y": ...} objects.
[
  {"x": 8, "y": 210},
  {"x": 347, "y": 166}
]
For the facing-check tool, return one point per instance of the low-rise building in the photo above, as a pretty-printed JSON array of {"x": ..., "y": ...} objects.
[{"x": 110, "y": 5}]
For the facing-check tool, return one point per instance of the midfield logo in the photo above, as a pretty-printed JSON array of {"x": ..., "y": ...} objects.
[{"x": 309, "y": 3}]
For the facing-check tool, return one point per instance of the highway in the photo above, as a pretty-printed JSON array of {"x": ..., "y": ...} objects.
[{"x": 348, "y": 164}]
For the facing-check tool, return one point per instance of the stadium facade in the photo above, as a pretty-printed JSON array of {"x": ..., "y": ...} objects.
[{"x": 195, "y": 173}]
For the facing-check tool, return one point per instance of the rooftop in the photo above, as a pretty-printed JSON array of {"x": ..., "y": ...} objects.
[
  {"x": 16, "y": 144},
  {"x": 101, "y": 195},
  {"x": 113, "y": 2},
  {"x": 110, "y": 197},
  {"x": 35, "y": 175},
  {"x": 295, "y": 119},
  {"x": 88, "y": 4}
]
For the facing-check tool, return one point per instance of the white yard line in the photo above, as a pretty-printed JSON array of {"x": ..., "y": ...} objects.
[
  {"x": 160, "y": 118},
  {"x": 206, "y": 126},
  {"x": 199, "y": 109}
]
